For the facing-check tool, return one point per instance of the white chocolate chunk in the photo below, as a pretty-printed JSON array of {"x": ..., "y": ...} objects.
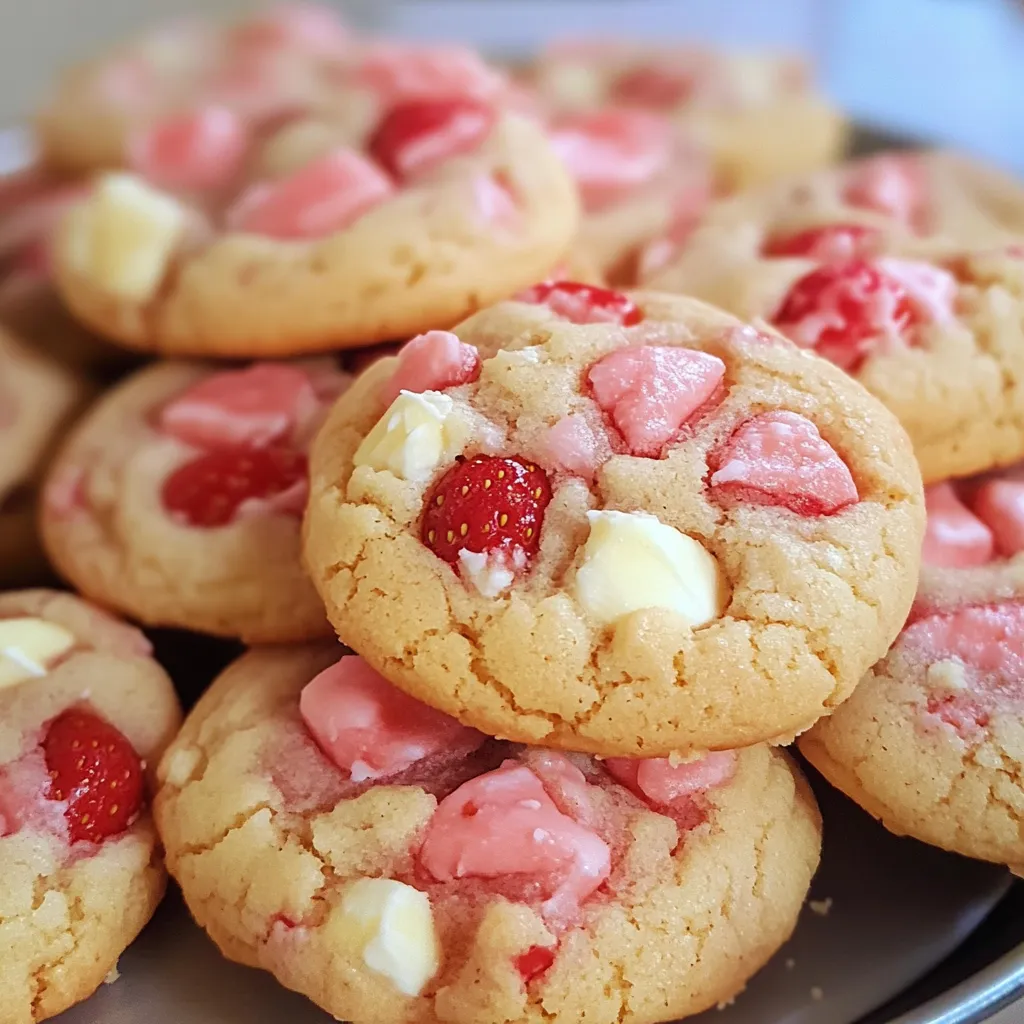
[
  {"x": 416, "y": 433},
  {"x": 633, "y": 561},
  {"x": 27, "y": 646},
  {"x": 573, "y": 85},
  {"x": 395, "y": 924},
  {"x": 946, "y": 675},
  {"x": 492, "y": 572},
  {"x": 124, "y": 236}
]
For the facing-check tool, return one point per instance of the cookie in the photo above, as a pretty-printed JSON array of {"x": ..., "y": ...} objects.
[
  {"x": 757, "y": 113},
  {"x": 395, "y": 866},
  {"x": 932, "y": 741},
  {"x": 178, "y": 498},
  {"x": 929, "y": 325},
  {"x": 38, "y": 398},
  {"x": 611, "y": 524},
  {"x": 85, "y": 713}
]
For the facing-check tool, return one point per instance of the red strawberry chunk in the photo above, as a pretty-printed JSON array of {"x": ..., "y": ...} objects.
[
  {"x": 486, "y": 504},
  {"x": 191, "y": 152},
  {"x": 954, "y": 537},
  {"x": 831, "y": 243},
  {"x": 420, "y": 134},
  {"x": 779, "y": 458},
  {"x": 893, "y": 184},
  {"x": 325, "y": 196},
  {"x": 583, "y": 303},
  {"x": 660, "y": 88},
  {"x": 212, "y": 489},
  {"x": 612, "y": 153},
  {"x": 535, "y": 961},
  {"x": 1000, "y": 504},
  {"x": 96, "y": 771},
  {"x": 651, "y": 391}
]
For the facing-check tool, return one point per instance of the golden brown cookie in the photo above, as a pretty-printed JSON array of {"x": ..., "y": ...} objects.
[
  {"x": 85, "y": 713},
  {"x": 402, "y": 868},
  {"x": 615, "y": 526}
]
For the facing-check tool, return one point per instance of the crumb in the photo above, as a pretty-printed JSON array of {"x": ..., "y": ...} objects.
[
  {"x": 821, "y": 907},
  {"x": 817, "y": 994},
  {"x": 726, "y": 1003},
  {"x": 790, "y": 964},
  {"x": 112, "y": 975}
]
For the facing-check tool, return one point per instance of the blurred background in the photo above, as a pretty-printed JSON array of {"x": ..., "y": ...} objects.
[{"x": 945, "y": 70}]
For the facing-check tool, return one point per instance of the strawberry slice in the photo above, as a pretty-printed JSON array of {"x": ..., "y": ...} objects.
[
  {"x": 830, "y": 243},
  {"x": 96, "y": 770},
  {"x": 533, "y": 962},
  {"x": 779, "y": 458},
  {"x": 209, "y": 490},
  {"x": 420, "y": 134},
  {"x": 583, "y": 303},
  {"x": 486, "y": 504}
]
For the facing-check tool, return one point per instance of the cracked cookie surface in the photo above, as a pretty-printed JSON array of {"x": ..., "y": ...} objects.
[
  {"x": 72, "y": 899},
  {"x": 340, "y": 880},
  {"x": 684, "y": 510}
]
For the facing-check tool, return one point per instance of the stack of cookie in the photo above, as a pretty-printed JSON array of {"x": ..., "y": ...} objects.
[{"x": 594, "y": 556}]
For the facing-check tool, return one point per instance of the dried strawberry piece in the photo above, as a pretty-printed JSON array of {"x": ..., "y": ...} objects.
[
  {"x": 1000, "y": 504},
  {"x": 96, "y": 770},
  {"x": 830, "y": 243},
  {"x": 893, "y": 184},
  {"x": 420, "y": 134},
  {"x": 209, "y": 490},
  {"x": 583, "y": 303},
  {"x": 486, "y": 503},
  {"x": 779, "y": 458},
  {"x": 660, "y": 88},
  {"x": 535, "y": 961},
  {"x": 955, "y": 537}
]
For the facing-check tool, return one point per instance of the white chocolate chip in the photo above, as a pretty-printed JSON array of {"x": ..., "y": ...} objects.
[
  {"x": 491, "y": 572},
  {"x": 180, "y": 766},
  {"x": 395, "y": 925},
  {"x": 946, "y": 675},
  {"x": 633, "y": 561},
  {"x": 27, "y": 646},
  {"x": 416, "y": 433},
  {"x": 573, "y": 85},
  {"x": 124, "y": 236}
]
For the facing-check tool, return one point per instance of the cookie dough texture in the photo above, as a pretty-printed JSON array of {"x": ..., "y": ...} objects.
[
  {"x": 425, "y": 258},
  {"x": 64, "y": 922},
  {"x": 814, "y": 601},
  {"x": 115, "y": 542},
  {"x": 690, "y": 925}
]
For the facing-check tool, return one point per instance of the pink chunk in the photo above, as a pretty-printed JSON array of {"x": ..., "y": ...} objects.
[
  {"x": 323, "y": 197},
  {"x": 1000, "y": 503},
  {"x": 688, "y": 206},
  {"x": 650, "y": 392},
  {"x": 64, "y": 494},
  {"x": 369, "y": 728},
  {"x": 659, "y": 88},
  {"x": 779, "y": 458},
  {"x": 661, "y": 782},
  {"x": 30, "y": 219},
  {"x": 612, "y": 153},
  {"x": 955, "y": 537},
  {"x": 892, "y": 184},
  {"x": 432, "y": 362},
  {"x": 251, "y": 407},
  {"x": 504, "y": 823},
  {"x": 306, "y": 27},
  {"x": 191, "y": 152},
  {"x": 573, "y": 446},
  {"x": 495, "y": 203},
  {"x": 583, "y": 303}
]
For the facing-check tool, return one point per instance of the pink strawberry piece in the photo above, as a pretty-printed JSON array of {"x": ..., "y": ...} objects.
[
  {"x": 659, "y": 88},
  {"x": 662, "y": 783},
  {"x": 495, "y": 202},
  {"x": 612, "y": 153},
  {"x": 325, "y": 196},
  {"x": 531, "y": 964},
  {"x": 96, "y": 771},
  {"x": 830, "y": 244},
  {"x": 955, "y": 537},
  {"x": 1000, "y": 504},
  {"x": 572, "y": 445},
  {"x": 651, "y": 392},
  {"x": 486, "y": 504},
  {"x": 191, "y": 152},
  {"x": 687, "y": 209},
  {"x": 892, "y": 184},
  {"x": 779, "y": 458},
  {"x": 251, "y": 407},
  {"x": 370, "y": 729},
  {"x": 418, "y": 135},
  {"x": 305, "y": 27},
  {"x": 212, "y": 489},
  {"x": 504, "y": 823},
  {"x": 583, "y": 303},
  {"x": 432, "y": 362}
]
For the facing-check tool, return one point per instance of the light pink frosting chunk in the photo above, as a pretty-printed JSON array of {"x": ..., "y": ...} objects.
[
  {"x": 955, "y": 537},
  {"x": 572, "y": 445},
  {"x": 662, "y": 782},
  {"x": 432, "y": 362},
  {"x": 1000, "y": 503},
  {"x": 369, "y": 728},
  {"x": 504, "y": 823}
]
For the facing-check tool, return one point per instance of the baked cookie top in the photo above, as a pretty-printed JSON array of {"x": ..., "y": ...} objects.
[
  {"x": 410, "y": 869},
  {"x": 178, "y": 498},
  {"x": 615, "y": 524}
]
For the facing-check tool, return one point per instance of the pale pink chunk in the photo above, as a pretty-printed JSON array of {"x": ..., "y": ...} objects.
[
  {"x": 613, "y": 153},
  {"x": 663, "y": 783},
  {"x": 893, "y": 184},
  {"x": 253, "y": 407},
  {"x": 688, "y": 206},
  {"x": 200, "y": 150},
  {"x": 64, "y": 492},
  {"x": 780, "y": 458},
  {"x": 1000, "y": 503},
  {"x": 369, "y": 728},
  {"x": 504, "y": 823},
  {"x": 398, "y": 72},
  {"x": 651, "y": 391},
  {"x": 306, "y": 27},
  {"x": 955, "y": 537},
  {"x": 496, "y": 204},
  {"x": 432, "y": 362},
  {"x": 323, "y": 197},
  {"x": 573, "y": 446}
]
